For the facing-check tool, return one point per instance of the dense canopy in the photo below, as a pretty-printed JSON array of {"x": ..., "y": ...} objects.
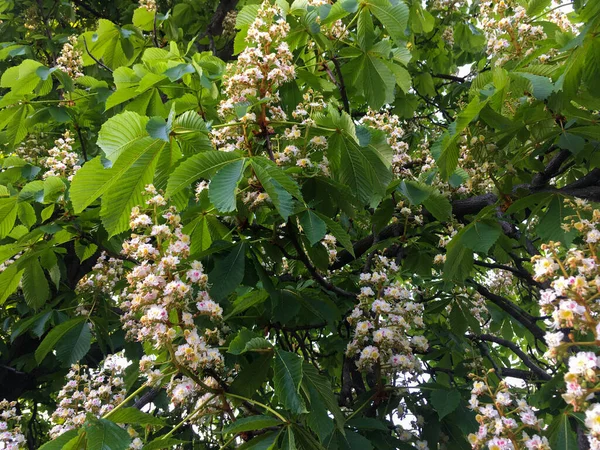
[{"x": 307, "y": 224}]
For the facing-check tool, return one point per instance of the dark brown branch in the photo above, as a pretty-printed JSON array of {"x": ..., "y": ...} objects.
[
  {"x": 526, "y": 319},
  {"x": 88, "y": 8},
  {"x": 312, "y": 269},
  {"x": 341, "y": 84},
  {"x": 519, "y": 272},
  {"x": 100, "y": 63},
  {"x": 517, "y": 351},
  {"x": 551, "y": 169},
  {"x": 449, "y": 77},
  {"x": 81, "y": 142}
]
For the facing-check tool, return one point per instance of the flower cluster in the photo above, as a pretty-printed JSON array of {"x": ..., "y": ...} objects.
[
  {"x": 70, "y": 60},
  {"x": 262, "y": 67},
  {"x": 11, "y": 435},
  {"x": 102, "y": 279},
  {"x": 390, "y": 125},
  {"x": 150, "y": 5},
  {"x": 301, "y": 151},
  {"x": 105, "y": 274},
  {"x": 572, "y": 303},
  {"x": 62, "y": 162},
  {"x": 229, "y": 23},
  {"x": 503, "y": 419},
  {"x": 383, "y": 321},
  {"x": 89, "y": 391},
  {"x": 31, "y": 149},
  {"x": 4, "y": 265},
  {"x": 509, "y": 33},
  {"x": 165, "y": 294}
]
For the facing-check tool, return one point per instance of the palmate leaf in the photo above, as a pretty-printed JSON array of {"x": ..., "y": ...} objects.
[
  {"x": 89, "y": 183},
  {"x": 203, "y": 165}
]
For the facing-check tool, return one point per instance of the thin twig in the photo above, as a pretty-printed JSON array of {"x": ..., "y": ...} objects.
[{"x": 100, "y": 63}]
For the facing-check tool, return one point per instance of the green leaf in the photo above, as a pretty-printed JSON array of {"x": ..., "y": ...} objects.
[
  {"x": 103, "y": 434},
  {"x": 175, "y": 73},
  {"x": 281, "y": 198},
  {"x": 203, "y": 165},
  {"x": 287, "y": 376},
  {"x": 322, "y": 386},
  {"x": 246, "y": 341},
  {"x": 393, "y": 17},
  {"x": 132, "y": 172},
  {"x": 263, "y": 442},
  {"x": 158, "y": 128},
  {"x": 35, "y": 285},
  {"x": 338, "y": 232},
  {"x": 246, "y": 301},
  {"x": 228, "y": 272},
  {"x": 571, "y": 142},
  {"x": 9, "y": 281},
  {"x": 74, "y": 344},
  {"x": 313, "y": 226},
  {"x": 134, "y": 416},
  {"x": 445, "y": 402},
  {"x": 8, "y": 215},
  {"x": 542, "y": 86},
  {"x": 288, "y": 441},
  {"x": 121, "y": 131},
  {"x": 83, "y": 251},
  {"x": 562, "y": 436},
  {"x": 60, "y": 441},
  {"x": 53, "y": 189},
  {"x": 89, "y": 183},
  {"x": 439, "y": 206},
  {"x": 223, "y": 186},
  {"x": 54, "y": 336},
  {"x": 459, "y": 260},
  {"x": 415, "y": 192},
  {"x": 480, "y": 236},
  {"x": 355, "y": 170},
  {"x": 251, "y": 423},
  {"x": 535, "y": 7}
]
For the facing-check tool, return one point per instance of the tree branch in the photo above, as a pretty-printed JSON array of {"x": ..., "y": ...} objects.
[
  {"x": 517, "y": 351},
  {"x": 526, "y": 319}
]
